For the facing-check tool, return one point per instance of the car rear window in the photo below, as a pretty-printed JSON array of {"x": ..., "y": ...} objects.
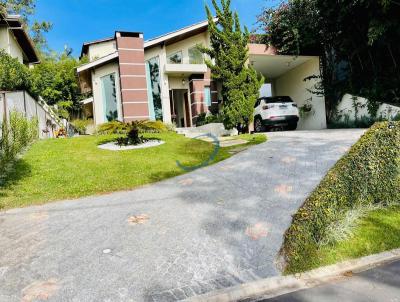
[{"x": 278, "y": 99}]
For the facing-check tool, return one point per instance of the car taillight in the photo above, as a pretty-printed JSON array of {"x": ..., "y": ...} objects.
[{"x": 294, "y": 105}]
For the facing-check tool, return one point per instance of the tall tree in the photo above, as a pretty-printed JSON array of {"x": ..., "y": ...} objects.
[
  {"x": 56, "y": 82},
  {"x": 229, "y": 65},
  {"x": 26, "y": 8}
]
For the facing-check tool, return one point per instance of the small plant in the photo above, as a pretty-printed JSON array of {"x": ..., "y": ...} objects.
[
  {"x": 81, "y": 125},
  {"x": 15, "y": 136},
  {"x": 132, "y": 138}
]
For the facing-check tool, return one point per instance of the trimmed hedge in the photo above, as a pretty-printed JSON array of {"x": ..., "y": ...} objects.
[{"x": 368, "y": 174}]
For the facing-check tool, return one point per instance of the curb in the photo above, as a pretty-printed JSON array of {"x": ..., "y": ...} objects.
[{"x": 277, "y": 286}]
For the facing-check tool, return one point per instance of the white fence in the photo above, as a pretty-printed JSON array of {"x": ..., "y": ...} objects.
[{"x": 21, "y": 101}]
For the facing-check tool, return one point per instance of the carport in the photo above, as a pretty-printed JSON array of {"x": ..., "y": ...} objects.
[{"x": 285, "y": 77}]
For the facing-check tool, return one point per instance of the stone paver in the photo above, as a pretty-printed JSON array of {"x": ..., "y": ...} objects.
[{"x": 213, "y": 228}]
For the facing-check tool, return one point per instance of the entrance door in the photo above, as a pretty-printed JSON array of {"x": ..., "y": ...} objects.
[{"x": 187, "y": 111}]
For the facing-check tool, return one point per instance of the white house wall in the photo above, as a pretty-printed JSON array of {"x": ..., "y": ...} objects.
[
  {"x": 292, "y": 84},
  {"x": 100, "y": 72},
  {"x": 10, "y": 44},
  {"x": 186, "y": 44},
  {"x": 102, "y": 49}
]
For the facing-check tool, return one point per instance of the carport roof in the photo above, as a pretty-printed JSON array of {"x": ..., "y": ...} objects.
[{"x": 265, "y": 60}]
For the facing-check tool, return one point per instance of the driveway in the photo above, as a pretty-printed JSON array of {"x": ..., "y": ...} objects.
[{"x": 212, "y": 228}]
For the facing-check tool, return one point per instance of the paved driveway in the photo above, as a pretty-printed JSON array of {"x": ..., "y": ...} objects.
[{"x": 213, "y": 228}]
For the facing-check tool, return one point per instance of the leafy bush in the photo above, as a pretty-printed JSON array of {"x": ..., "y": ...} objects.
[
  {"x": 117, "y": 127},
  {"x": 81, "y": 125},
  {"x": 16, "y": 135},
  {"x": 367, "y": 176},
  {"x": 131, "y": 138},
  {"x": 114, "y": 127},
  {"x": 13, "y": 74}
]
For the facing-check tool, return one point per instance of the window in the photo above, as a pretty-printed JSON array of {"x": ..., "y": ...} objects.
[
  {"x": 110, "y": 97},
  {"x": 175, "y": 58},
  {"x": 153, "y": 66},
  {"x": 207, "y": 96},
  {"x": 195, "y": 56}
]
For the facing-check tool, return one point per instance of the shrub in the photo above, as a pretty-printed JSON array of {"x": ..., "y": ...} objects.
[
  {"x": 367, "y": 176},
  {"x": 16, "y": 135},
  {"x": 81, "y": 125},
  {"x": 13, "y": 74},
  {"x": 117, "y": 127},
  {"x": 204, "y": 119}
]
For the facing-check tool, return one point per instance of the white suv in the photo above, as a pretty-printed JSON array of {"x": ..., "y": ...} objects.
[{"x": 277, "y": 111}]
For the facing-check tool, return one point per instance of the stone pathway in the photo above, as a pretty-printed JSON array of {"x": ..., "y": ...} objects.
[{"x": 209, "y": 229}]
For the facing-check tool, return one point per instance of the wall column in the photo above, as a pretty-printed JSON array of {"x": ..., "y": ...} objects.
[{"x": 133, "y": 81}]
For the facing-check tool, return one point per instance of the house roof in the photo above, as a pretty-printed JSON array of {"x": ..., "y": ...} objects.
[
  {"x": 178, "y": 35},
  {"x": 23, "y": 39},
  {"x": 85, "y": 46},
  {"x": 98, "y": 62}
]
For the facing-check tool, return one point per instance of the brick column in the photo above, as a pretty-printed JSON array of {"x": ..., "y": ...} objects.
[
  {"x": 197, "y": 98},
  {"x": 132, "y": 70}
]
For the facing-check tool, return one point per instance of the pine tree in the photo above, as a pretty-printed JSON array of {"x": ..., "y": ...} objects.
[{"x": 229, "y": 65}]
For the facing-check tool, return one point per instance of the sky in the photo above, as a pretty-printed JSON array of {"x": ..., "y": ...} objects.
[{"x": 79, "y": 21}]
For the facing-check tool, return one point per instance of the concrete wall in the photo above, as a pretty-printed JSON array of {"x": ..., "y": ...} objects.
[
  {"x": 98, "y": 105},
  {"x": 347, "y": 107},
  {"x": 102, "y": 49},
  {"x": 10, "y": 44},
  {"x": 292, "y": 84}
]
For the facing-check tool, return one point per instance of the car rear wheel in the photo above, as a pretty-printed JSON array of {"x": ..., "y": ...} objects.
[{"x": 258, "y": 125}]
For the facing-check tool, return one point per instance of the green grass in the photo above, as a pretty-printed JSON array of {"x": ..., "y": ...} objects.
[
  {"x": 378, "y": 231},
  {"x": 60, "y": 169}
]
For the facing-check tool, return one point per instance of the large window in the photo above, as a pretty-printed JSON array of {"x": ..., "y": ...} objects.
[
  {"x": 207, "y": 96},
  {"x": 175, "y": 58},
  {"x": 195, "y": 56},
  {"x": 153, "y": 66},
  {"x": 110, "y": 97}
]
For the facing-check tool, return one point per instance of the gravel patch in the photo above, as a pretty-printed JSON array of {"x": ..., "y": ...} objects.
[{"x": 114, "y": 147}]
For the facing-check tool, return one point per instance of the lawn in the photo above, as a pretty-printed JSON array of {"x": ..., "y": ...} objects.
[
  {"x": 378, "y": 231},
  {"x": 60, "y": 169}
]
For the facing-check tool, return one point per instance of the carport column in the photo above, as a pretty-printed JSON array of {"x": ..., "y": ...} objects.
[
  {"x": 133, "y": 82},
  {"x": 166, "y": 105}
]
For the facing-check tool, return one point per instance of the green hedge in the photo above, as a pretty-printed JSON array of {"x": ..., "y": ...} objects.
[{"x": 367, "y": 174}]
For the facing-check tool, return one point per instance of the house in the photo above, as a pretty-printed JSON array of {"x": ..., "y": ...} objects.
[
  {"x": 16, "y": 41},
  {"x": 166, "y": 79}
]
